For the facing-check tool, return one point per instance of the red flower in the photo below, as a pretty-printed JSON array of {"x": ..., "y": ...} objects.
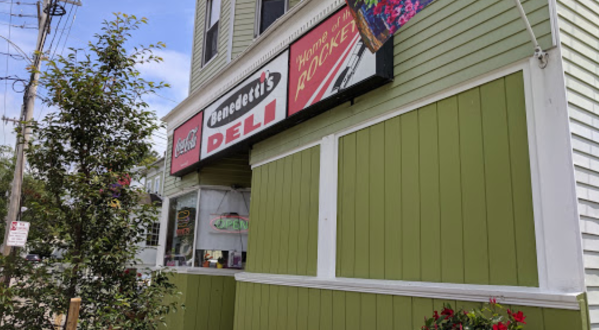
[
  {"x": 447, "y": 312},
  {"x": 378, "y": 9},
  {"x": 436, "y": 315},
  {"x": 518, "y": 317},
  {"x": 493, "y": 301},
  {"x": 499, "y": 326}
]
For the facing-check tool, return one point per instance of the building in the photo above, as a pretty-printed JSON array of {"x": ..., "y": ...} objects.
[
  {"x": 456, "y": 164},
  {"x": 152, "y": 182}
]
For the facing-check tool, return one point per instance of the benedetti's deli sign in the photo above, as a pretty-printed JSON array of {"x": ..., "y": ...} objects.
[
  {"x": 255, "y": 105},
  {"x": 325, "y": 67}
]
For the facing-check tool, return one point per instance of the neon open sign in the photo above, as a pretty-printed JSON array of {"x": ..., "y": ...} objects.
[{"x": 231, "y": 224}]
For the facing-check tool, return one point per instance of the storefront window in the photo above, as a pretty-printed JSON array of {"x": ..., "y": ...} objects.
[
  {"x": 181, "y": 229},
  {"x": 223, "y": 229}
]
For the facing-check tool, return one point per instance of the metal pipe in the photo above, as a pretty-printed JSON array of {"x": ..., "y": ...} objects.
[{"x": 533, "y": 38}]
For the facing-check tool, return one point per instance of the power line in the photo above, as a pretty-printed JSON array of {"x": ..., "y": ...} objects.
[
  {"x": 27, "y": 27},
  {"x": 18, "y": 3},
  {"x": 18, "y": 15},
  {"x": 14, "y": 56},
  {"x": 69, "y": 32},
  {"x": 62, "y": 32},
  {"x": 8, "y": 43}
]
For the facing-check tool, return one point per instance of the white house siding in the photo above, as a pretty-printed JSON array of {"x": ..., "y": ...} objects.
[{"x": 579, "y": 34}]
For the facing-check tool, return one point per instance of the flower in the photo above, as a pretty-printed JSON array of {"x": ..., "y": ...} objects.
[
  {"x": 518, "y": 317},
  {"x": 447, "y": 312},
  {"x": 436, "y": 315},
  {"x": 409, "y": 6},
  {"x": 493, "y": 301},
  {"x": 499, "y": 326}
]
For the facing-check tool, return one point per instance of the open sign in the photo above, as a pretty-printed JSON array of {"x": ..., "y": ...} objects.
[{"x": 230, "y": 224}]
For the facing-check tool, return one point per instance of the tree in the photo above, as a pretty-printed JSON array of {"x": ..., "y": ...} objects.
[{"x": 86, "y": 154}]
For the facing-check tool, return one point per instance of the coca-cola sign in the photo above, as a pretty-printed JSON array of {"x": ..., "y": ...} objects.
[{"x": 186, "y": 144}]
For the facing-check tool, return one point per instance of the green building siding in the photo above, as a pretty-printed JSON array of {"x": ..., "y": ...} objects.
[
  {"x": 284, "y": 215},
  {"x": 579, "y": 35},
  {"x": 447, "y": 44},
  {"x": 442, "y": 193},
  {"x": 199, "y": 73},
  {"x": 209, "y": 303},
  {"x": 260, "y": 306},
  {"x": 243, "y": 31}
]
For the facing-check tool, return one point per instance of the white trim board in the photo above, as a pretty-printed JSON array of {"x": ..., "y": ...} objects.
[
  {"x": 560, "y": 266},
  {"x": 463, "y": 292}
]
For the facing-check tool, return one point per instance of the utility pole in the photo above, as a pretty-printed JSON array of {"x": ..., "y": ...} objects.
[{"x": 14, "y": 203}]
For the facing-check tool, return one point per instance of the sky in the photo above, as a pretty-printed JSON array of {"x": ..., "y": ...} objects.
[{"x": 168, "y": 21}]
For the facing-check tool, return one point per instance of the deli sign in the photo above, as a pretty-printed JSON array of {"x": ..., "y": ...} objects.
[
  {"x": 325, "y": 67},
  {"x": 256, "y": 104}
]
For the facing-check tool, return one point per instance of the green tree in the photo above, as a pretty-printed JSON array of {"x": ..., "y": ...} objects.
[{"x": 86, "y": 153}]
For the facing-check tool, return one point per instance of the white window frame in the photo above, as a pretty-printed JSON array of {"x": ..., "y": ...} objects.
[
  {"x": 258, "y": 20},
  {"x": 560, "y": 266},
  {"x": 157, "y": 184},
  {"x": 207, "y": 19},
  {"x": 164, "y": 230}
]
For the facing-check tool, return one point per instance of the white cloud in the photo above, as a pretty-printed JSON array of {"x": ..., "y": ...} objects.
[{"x": 174, "y": 71}]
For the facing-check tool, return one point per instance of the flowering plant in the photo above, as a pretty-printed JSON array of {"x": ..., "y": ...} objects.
[
  {"x": 491, "y": 317},
  {"x": 395, "y": 13}
]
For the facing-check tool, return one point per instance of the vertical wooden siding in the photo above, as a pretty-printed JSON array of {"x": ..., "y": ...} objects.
[
  {"x": 209, "y": 303},
  {"x": 234, "y": 169},
  {"x": 450, "y": 42},
  {"x": 442, "y": 193},
  {"x": 284, "y": 215},
  {"x": 260, "y": 306},
  {"x": 579, "y": 34},
  {"x": 200, "y": 73}
]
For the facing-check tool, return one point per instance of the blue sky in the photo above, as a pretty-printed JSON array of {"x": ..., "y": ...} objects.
[{"x": 169, "y": 21}]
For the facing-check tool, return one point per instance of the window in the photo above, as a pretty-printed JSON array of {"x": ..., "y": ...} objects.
[
  {"x": 148, "y": 185},
  {"x": 152, "y": 234},
  {"x": 157, "y": 185},
  {"x": 181, "y": 229},
  {"x": 211, "y": 35},
  {"x": 223, "y": 225},
  {"x": 217, "y": 230},
  {"x": 270, "y": 11}
]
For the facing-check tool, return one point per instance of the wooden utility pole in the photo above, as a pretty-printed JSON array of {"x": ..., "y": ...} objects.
[{"x": 14, "y": 203}]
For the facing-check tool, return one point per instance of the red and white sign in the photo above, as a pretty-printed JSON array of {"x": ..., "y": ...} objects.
[
  {"x": 327, "y": 60},
  {"x": 186, "y": 144},
  {"x": 256, "y": 104},
  {"x": 17, "y": 233}
]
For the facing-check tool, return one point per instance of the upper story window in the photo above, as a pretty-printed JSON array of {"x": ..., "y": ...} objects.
[
  {"x": 211, "y": 36},
  {"x": 157, "y": 185},
  {"x": 148, "y": 185},
  {"x": 269, "y": 11}
]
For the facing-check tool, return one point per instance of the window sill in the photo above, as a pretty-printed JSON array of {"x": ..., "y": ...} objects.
[
  {"x": 526, "y": 296},
  {"x": 209, "y": 61},
  {"x": 205, "y": 271}
]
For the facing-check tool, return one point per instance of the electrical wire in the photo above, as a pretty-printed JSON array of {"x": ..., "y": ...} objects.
[
  {"x": 21, "y": 26},
  {"x": 14, "y": 56},
  {"x": 71, "y": 26},
  {"x": 62, "y": 33},
  {"x": 18, "y": 3},
  {"x": 8, "y": 43}
]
